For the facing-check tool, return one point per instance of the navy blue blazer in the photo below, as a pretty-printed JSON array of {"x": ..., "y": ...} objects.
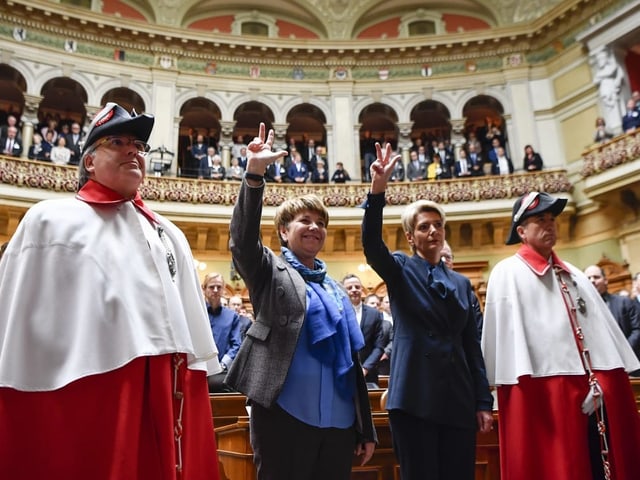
[
  {"x": 627, "y": 313},
  {"x": 437, "y": 369}
]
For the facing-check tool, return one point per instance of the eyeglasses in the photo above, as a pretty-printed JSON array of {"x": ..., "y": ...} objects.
[{"x": 119, "y": 142}]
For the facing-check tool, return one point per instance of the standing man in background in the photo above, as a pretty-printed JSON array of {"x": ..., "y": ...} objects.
[
  {"x": 225, "y": 328},
  {"x": 625, "y": 311},
  {"x": 370, "y": 321}
]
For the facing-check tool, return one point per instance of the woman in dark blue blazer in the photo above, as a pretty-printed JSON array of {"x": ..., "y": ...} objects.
[{"x": 438, "y": 390}]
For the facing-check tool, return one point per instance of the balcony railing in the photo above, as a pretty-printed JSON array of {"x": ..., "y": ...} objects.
[
  {"x": 622, "y": 149},
  {"x": 47, "y": 176}
]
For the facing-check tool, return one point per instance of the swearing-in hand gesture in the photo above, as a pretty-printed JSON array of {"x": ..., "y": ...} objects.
[
  {"x": 260, "y": 152},
  {"x": 382, "y": 169}
]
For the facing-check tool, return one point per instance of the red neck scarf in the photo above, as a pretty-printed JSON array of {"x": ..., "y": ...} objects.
[
  {"x": 95, "y": 193},
  {"x": 537, "y": 262}
]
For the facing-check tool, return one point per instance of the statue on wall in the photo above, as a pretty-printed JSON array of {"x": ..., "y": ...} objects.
[{"x": 609, "y": 77}]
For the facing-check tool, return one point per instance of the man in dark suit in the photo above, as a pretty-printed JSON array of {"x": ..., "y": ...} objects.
[
  {"x": 624, "y": 310},
  {"x": 475, "y": 160},
  {"x": 370, "y": 320},
  {"x": 73, "y": 143},
  {"x": 11, "y": 144}
]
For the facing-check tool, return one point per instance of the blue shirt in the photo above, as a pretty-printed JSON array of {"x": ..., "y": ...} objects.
[
  {"x": 225, "y": 327},
  {"x": 309, "y": 392}
]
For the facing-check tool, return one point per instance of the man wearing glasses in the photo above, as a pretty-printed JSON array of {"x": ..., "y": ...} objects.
[
  {"x": 558, "y": 359},
  {"x": 106, "y": 345}
]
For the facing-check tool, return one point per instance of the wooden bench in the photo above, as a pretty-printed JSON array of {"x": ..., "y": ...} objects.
[{"x": 236, "y": 458}]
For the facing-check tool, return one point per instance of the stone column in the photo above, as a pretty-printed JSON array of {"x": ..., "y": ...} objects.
[
  {"x": 457, "y": 136},
  {"x": 356, "y": 172},
  {"x": 29, "y": 121},
  {"x": 280, "y": 132},
  {"x": 226, "y": 141},
  {"x": 404, "y": 140}
]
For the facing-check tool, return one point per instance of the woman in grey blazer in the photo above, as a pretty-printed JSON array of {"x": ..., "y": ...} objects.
[{"x": 298, "y": 364}]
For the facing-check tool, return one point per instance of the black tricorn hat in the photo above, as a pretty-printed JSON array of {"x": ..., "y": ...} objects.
[
  {"x": 530, "y": 204},
  {"x": 115, "y": 120}
]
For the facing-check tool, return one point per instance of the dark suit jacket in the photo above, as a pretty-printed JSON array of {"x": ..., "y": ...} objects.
[
  {"x": 437, "y": 369},
  {"x": 278, "y": 296},
  {"x": 293, "y": 172},
  {"x": 627, "y": 314},
  {"x": 477, "y": 164},
  {"x": 270, "y": 174},
  {"x": 17, "y": 146},
  {"x": 371, "y": 326},
  {"x": 75, "y": 148}
]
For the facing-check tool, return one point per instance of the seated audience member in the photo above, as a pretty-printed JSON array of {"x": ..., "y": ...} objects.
[
  {"x": 416, "y": 170},
  {"x": 437, "y": 170},
  {"x": 631, "y": 118},
  {"x": 225, "y": 327},
  {"x": 319, "y": 174},
  {"x": 36, "y": 152},
  {"x": 474, "y": 157},
  {"x": 11, "y": 144},
  {"x": 340, "y": 175},
  {"x": 625, "y": 311},
  {"x": 217, "y": 170},
  {"x": 298, "y": 171},
  {"x": 462, "y": 167},
  {"x": 277, "y": 172},
  {"x": 532, "y": 160},
  {"x": 601, "y": 135},
  {"x": 60, "y": 154},
  {"x": 235, "y": 171},
  {"x": 502, "y": 164},
  {"x": 370, "y": 321}
]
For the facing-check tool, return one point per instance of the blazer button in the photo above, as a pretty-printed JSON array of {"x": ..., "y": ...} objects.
[{"x": 428, "y": 355}]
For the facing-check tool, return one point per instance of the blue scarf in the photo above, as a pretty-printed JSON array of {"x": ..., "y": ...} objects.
[{"x": 331, "y": 320}]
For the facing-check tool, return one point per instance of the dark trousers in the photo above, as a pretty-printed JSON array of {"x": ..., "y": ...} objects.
[
  {"x": 285, "y": 448},
  {"x": 428, "y": 451}
]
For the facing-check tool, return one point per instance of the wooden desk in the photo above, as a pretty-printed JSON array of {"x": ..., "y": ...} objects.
[{"x": 236, "y": 458}]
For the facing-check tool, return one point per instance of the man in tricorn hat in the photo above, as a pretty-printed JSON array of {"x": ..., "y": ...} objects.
[
  {"x": 559, "y": 361},
  {"x": 105, "y": 342}
]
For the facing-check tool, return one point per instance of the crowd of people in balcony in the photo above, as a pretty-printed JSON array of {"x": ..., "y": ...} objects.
[
  {"x": 484, "y": 152},
  {"x": 630, "y": 120}
]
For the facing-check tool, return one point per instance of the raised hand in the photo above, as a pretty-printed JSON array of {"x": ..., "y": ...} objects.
[
  {"x": 260, "y": 152},
  {"x": 382, "y": 169}
]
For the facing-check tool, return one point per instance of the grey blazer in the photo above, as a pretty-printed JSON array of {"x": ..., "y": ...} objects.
[{"x": 278, "y": 296}]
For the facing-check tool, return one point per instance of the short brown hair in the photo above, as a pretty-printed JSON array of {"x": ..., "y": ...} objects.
[{"x": 287, "y": 211}]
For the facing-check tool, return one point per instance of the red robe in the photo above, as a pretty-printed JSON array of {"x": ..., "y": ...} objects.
[{"x": 118, "y": 425}]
